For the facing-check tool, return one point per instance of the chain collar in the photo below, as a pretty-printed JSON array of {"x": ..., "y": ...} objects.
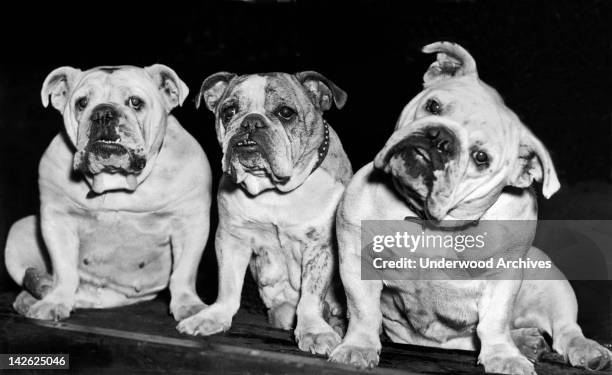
[{"x": 323, "y": 148}]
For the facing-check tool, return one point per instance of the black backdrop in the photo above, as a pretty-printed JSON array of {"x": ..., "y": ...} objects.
[{"x": 550, "y": 60}]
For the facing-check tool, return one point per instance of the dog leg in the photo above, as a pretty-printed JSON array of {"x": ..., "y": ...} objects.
[
  {"x": 27, "y": 264},
  {"x": 275, "y": 283},
  {"x": 568, "y": 338},
  {"x": 334, "y": 311},
  {"x": 361, "y": 345},
  {"x": 233, "y": 258},
  {"x": 188, "y": 241},
  {"x": 551, "y": 306},
  {"x": 498, "y": 352},
  {"x": 25, "y": 249},
  {"x": 312, "y": 332},
  {"x": 557, "y": 306}
]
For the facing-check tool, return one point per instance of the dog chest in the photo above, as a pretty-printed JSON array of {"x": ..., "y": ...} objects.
[
  {"x": 125, "y": 251},
  {"x": 315, "y": 201}
]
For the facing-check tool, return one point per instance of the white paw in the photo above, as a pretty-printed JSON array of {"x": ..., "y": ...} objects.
[
  {"x": 204, "y": 323},
  {"x": 318, "y": 343},
  {"x": 586, "y": 353},
  {"x": 502, "y": 363},
  {"x": 23, "y": 302},
  {"x": 185, "y": 305},
  {"x": 316, "y": 336},
  {"x": 360, "y": 357},
  {"x": 49, "y": 309}
]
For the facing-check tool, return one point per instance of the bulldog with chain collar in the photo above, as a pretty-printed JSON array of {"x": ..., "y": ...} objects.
[
  {"x": 458, "y": 153},
  {"x": 124, "y": 198},
  {"x": 284, "y": 173}
]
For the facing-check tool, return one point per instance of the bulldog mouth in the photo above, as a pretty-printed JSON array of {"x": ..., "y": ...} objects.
[
  {"x": 116, "y": 141},
  {"x": 421, "y": 155},
  {"x": 245, "y": 143},
  {"x": 108, "y": 147}
]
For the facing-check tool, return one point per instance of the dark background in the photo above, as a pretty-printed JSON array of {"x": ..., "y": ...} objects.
[{"x": 550, "y": 60}]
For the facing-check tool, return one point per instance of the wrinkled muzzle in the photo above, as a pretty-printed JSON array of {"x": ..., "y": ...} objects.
[
  {"x": 110, "y": 145},
  {"x": 425, "y": 160},
  {"x": 257, "y": 147}
]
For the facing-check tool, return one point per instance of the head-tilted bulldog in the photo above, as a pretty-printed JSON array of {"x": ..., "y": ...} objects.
[
  {"x": 270, "y": 126},
  {"x": 116, "y": 119},
  {"x": 456, "y": 145}
]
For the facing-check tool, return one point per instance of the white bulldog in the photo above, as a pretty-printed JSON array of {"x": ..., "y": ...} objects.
[
  {"x": 284, "y": 173},
  {"x": 125, "y": 198},
  {"x": 458, "y": 153}
]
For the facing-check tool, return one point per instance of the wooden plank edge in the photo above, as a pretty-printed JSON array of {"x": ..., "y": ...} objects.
[{"x": 204, "y": 343}]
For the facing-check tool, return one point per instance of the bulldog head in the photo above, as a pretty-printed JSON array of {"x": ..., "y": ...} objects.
[
  {"x": 456, "y": 145},
  {"x": 269, "y": 126},
  {"x": 116, "y": 119}
]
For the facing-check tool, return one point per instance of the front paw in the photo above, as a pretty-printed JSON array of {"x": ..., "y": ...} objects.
[
  {"x": 586, "y": 353},
  {"x": 23, "y": 302},
  {"x": 360, "y": 357},
  {"x": 530, "y": 342},
  {"x": 49, "y": 309},
  {"x": 500, "y": 363},
  {"x": 185, "y": 306},
  {"x": 317, "y": 342},
  {"x": 205, "y": 323}
]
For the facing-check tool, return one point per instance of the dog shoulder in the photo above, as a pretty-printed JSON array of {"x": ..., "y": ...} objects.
[
  {"x": 57, "y": 156},
  {"x": 184, "y": 152},
  {"x": 55, "y": 170},
  {"x": 370, "y": 196},
  {"x": 358, "y": 196},
  {"x": 182, "y": 168}
]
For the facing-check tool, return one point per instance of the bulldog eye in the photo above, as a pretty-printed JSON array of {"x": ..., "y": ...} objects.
[
  {"x": 433, "y": 106},
  {"x": 285, "y": 113},
  {"x": 135, "y": 102},
  {"x": 228, "y": 113},
  {"x": 82, "y": 103},
  {"x": 480, "y": 158}
]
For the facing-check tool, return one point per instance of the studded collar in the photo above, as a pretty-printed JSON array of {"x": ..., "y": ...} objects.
[{"x": 323, "y": 148}]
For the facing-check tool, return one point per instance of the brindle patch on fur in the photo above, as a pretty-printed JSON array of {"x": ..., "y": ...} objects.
[
  {"x": 313, "y": 235},
  {"x": 314, "y": 268}
]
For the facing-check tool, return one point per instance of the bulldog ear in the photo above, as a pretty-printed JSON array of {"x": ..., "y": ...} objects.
[
  {"x": 321, "y": 90},
  {"x": 452, "y": 60},
  {"x": 171, "y": 86},
  {"x": 213, "y": 88},
  {"x": 58, "y": 84},
  {"x": 535, "y": 163}
]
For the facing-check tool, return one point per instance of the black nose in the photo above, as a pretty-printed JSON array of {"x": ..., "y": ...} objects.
[
  {"x": 104, "y": 119},
  {"x": 104, "y": 114},
  {"x": 441, "y": 139},
  {"x": 253, "y": 122}
]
